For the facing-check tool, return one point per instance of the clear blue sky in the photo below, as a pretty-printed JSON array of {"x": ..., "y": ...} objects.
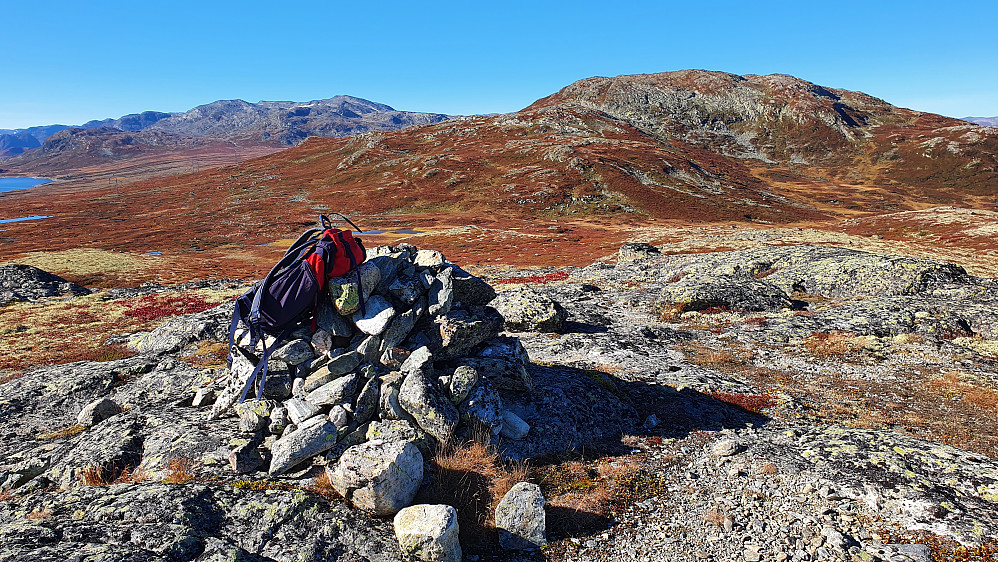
[{"x": 69, "y": 62}]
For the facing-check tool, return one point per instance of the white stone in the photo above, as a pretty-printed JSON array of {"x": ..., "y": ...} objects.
[
  {"x": 378, "y": 313},
  {"x": 428, "y": 533},
  {"x": 520, "y": 518},
  {"x": 380, "y": 477},
  {"x": 513, "y": 426}
]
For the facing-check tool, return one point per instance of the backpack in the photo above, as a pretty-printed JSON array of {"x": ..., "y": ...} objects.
[{"x": 289, "y": 295}]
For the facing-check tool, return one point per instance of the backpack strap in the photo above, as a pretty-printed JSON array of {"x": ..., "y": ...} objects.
[
  {"x": 261, "y": 368},
  {"x": 325, "y": 223}
]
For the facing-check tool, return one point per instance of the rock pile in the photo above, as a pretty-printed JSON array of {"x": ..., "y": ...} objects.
[{"x": 403, "y": 354}]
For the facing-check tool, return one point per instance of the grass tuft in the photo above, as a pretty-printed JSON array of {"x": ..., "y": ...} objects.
[
  {"x": 66, "y": 432},
  {"x": 181, "y": 471}
]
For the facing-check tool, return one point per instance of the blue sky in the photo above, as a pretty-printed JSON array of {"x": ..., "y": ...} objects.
[{"x": 69, "y": 62}]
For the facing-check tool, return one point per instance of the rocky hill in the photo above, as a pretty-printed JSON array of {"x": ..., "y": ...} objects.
[{"x": 772, "y": 403}]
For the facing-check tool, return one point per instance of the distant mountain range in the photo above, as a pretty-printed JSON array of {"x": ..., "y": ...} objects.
[
  {"x": 688, "y": 145},
  {"x": 283, "y": 123},
  {"x": 986, "y": 121}
]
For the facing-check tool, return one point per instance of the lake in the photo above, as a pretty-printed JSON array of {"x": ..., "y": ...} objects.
[{"x": 10, "y": 184}]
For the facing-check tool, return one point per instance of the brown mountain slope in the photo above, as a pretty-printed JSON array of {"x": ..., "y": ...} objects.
[{"x": 566, "y": 178}]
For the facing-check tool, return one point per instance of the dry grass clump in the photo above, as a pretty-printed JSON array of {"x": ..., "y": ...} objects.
[
  {"x": 61, "y": 331},
  {"x": 96, "y": 475},
  {"x": 836, "y": 344},
  {"x": 180, "y": 471},
  {"x": 950, "y": 385},
  {"x": 12, "y": 376},
  {"x": 753, "y": 403},
  {"x": 715, "y": 517},
  {"x": 708, "y": 356},
  {"x": 39, "y": 514},
  {"x": 322, "y": 486},
  {"x": 471, "y": 478},
  {"x": 670, "y": 312},
  {"x": 65, "y": 432},
  {"x": 208, "y": 355},
  {"x": 582, "y": 496},
  {"x": 769, "y": 468}
]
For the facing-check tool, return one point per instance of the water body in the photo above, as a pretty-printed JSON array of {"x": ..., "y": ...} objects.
[
  {"x": 31, "y": 218},
  {"x": 10, "y": 184}
]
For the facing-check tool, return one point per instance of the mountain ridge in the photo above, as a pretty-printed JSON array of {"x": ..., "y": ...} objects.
[{"x": 266, "y": 122}]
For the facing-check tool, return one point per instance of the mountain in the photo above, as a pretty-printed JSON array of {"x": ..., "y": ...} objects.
[
  {"x": 133, "y": 122},
  {"x": 986, "y": 121},
  {"x": 290, "y": 122},
  {"x": 16, "y": 143},
  {"x": 265, "y": 124}
]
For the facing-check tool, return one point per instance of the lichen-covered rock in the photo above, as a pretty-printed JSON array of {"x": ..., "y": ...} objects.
[
  {"x": 314, "y": 437},
  {"x": 20, "y": 282},
  {"x": 334, "y": 369},
  {"x": 521, "y": 519},
  {"x": 458, "y": 332},
  {"x": 483, "y": 408},
  {"x": 421, "y": 398},
  {"x": 380, "y": 477},
  {"x": 741, "y": 293},
  {"x": 367, "y": 401},
  {"x": 254, "y": 415},
  {"x": 637, "y": 251},
  {"x": 97, "y": 411},
  {"x": 428, "y": 533},
  {"x": 300, "y": 410},
  {"x": 525, "y": 310},
  {"x": 401, "y": 430},
  {"x": 191, "y": 522},
  {"x": 182, "y": 331},
  {"x": 503, "y": 361},
  {"x": 470, "y": 290},
  {"x": 329, "y": 319},
  {"x": 402, "y": 325},
  {"x": 336, "y": 391},
  {"x": 278, "y": 420},
  {"x": 345, "y": 297},
  {"x": 246, "y": 458},
  {"x": 429, "y": 259},
  {"x": 108, "y": 449},
  {"x": 513, "y": 426},
  {"x": 294, "y": 352},
  {"x": 461, "y": 383},
  {"x": 440, "y": 296},
  {"x": 388, "y": 403}
]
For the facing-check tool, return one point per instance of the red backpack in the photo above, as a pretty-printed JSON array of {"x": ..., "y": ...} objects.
[{"x": 289, "y": 295}]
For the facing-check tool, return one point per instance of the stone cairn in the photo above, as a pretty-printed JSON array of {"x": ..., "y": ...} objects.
[{"x": 374, "y": 389}]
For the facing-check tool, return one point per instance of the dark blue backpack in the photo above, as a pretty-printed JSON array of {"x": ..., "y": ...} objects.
[{"x": 289, "y": 295}]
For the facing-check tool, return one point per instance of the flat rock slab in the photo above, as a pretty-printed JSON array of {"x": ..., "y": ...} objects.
[{"x": 183, "y": 522}]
